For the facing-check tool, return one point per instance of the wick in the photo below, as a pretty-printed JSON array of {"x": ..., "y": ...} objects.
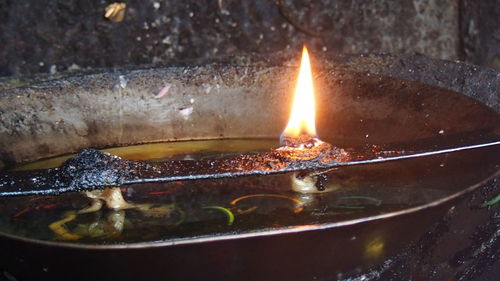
[{"x": 302, "y": 141}]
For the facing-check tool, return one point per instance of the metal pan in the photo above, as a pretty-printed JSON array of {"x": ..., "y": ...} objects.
[{"x": 223, "y": 101}]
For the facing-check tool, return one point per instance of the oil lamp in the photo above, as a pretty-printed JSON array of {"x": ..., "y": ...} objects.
[{"x": 300, "y": 151}]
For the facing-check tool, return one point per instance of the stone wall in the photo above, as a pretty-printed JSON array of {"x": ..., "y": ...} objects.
[{"x": 48, "y": 36}]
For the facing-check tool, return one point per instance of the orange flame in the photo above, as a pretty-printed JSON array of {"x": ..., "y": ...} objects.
[{"x": 302, "y": 118}]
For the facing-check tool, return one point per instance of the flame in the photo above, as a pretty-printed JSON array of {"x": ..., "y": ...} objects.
[{"x": 302, "y": 117}]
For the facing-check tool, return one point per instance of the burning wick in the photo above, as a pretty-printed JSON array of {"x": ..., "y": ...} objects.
[{"x": 300, "y": 133}]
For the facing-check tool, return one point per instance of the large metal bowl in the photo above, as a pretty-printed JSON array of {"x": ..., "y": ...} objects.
[{"x": 359, "y": 104}]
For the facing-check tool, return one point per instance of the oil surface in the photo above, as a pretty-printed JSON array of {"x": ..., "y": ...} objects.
[{"x": 207, "y": 208}]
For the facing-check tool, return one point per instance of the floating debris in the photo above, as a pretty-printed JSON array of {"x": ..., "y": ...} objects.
[
  {"x": 229, "y": 214},
  {"x": 298, "y": 204}
]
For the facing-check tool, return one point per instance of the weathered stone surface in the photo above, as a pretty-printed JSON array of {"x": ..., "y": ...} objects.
[
  {"x": 480, "y": 28},
  {"x": 50, "y": 36}
]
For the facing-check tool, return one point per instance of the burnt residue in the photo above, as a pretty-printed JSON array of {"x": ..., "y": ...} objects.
[{"x": 92, "y": 169}]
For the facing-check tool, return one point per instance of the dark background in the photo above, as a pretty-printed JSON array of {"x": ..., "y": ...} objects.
[{"x": 55, "y": 36}]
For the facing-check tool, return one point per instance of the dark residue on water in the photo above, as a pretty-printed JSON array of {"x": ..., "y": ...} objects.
[{"x": 248, "y": 204}]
